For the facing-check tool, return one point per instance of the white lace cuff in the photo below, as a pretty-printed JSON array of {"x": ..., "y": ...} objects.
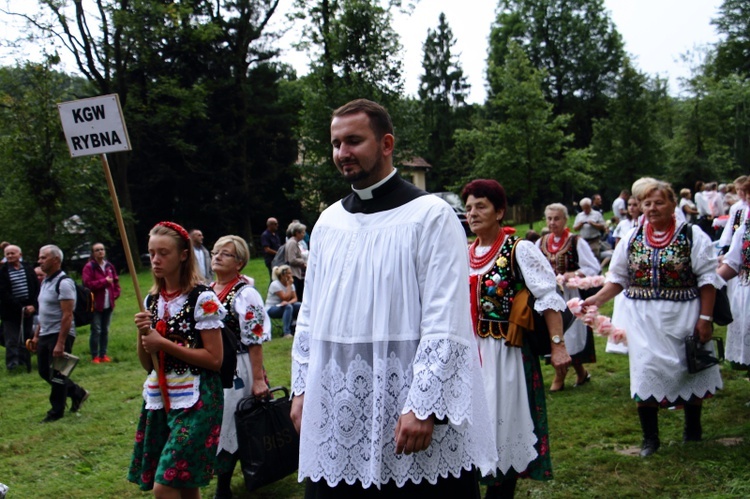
[
  {"x": 300, "y": 361},
  {"x": 550, "y": 301},
  {"x": 442, "y": 382}
]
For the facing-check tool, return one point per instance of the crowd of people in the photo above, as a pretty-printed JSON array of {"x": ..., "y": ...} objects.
[{"x": 397, "y": 323}]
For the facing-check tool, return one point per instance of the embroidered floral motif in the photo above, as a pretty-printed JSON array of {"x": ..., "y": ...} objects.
[
  {"x": 172, "y": 329},
  {"x": 497, "y": 289},
  {"x": 254, "y": 317},
  {"x": 209, "y": 307},
  {"x": 663, "y": 273},
  {"x": 744, "y": 273}
]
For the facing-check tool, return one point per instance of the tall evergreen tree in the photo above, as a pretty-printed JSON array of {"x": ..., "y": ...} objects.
[
  {"x": 355, "y": 54},
  {"x": 627, "y": 143},
  {"x": 733, "y": 51},
  {"x": 527, "y": 149},
  {"x": 443, "y": 90},
  {"x": 577, "y": 45}
]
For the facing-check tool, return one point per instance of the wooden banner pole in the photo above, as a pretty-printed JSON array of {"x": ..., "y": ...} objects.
[{"x": 125, "y": 243}]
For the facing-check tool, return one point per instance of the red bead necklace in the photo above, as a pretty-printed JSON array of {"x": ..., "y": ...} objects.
[
  {"x": 477, "y": 262},
  {"x": 552, "y": 246},
  {"x": 660, "y": 241}
]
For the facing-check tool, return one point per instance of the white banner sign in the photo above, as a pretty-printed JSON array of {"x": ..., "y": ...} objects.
[{"x": 94, "y": 126}]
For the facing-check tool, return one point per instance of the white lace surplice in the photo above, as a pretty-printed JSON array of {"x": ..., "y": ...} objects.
[
  {"x": 503, "y": 370},
  {"x": 656, "y": 330},
  {"x": 385, "y": 329}
]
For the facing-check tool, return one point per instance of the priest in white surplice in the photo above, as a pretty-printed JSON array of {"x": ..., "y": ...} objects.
[{"x": 385, "y": 369}]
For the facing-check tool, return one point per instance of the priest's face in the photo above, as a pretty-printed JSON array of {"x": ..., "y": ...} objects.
[{"x": 359, "y": 155}]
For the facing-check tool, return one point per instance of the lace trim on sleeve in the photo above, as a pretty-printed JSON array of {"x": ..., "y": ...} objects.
[
  {"x": 300, "y": 361},
  {"x": 539, "y": 277},
  {"x": 442, "y": 381}
]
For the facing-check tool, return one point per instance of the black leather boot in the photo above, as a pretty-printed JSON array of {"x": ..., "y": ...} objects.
[
  {"x": 650, "y": 426},
  {"x": 693, "y": 430},
  {"x": 224, "y": 486}
]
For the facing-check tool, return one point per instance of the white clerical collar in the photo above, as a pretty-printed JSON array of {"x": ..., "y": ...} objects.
[{"x": 366, "y": 193}]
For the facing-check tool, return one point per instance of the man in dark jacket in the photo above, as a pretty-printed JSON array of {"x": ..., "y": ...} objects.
[{"x": 19, "y": 289}]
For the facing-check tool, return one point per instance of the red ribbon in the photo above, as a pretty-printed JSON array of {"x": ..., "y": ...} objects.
[{"x": 474, "y": 299}]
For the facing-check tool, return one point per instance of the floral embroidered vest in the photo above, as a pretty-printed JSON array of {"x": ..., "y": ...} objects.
[
  {"x": 661, "y": 274},
  {"x": 566, "y": 259},
  {"x": 497, "y": 287},
  {"x": 180, "y": 329},
  {"x": 231, "y": 321},
  {"x": 744, "y": 274}
]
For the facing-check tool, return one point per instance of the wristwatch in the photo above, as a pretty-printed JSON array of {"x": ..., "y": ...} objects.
[{"x": 557, "y": 339}]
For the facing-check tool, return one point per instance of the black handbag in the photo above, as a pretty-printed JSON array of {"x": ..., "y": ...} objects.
[
  {"x": 538, "y": 339},
  {"x": 700, "y": 356},
  {"x": 722, "y": 309},
  {"x": 268, "y": 441}
]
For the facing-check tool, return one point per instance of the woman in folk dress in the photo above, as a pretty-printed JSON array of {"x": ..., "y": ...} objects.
[
  {"x": 668, "y": 273},
  {"x": 570, "y": 256},
  {"x": 511, "y": 375},
  {"x": 247, "y": 319}
]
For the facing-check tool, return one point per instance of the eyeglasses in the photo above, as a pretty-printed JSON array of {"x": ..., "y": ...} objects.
[
  {"x": 222, "y": 254},
  {"x": 99, "y": 249}
]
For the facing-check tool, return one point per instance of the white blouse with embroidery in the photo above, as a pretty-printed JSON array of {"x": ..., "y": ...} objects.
[{"x": 184, "y": 389}]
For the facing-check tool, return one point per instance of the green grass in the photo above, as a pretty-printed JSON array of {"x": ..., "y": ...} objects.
[{"x": 86, "y": 455}]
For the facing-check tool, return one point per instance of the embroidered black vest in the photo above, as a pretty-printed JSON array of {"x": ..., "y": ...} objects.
[
  {"x": 737, "y": 220},
  {"x": 497, "y": 287},
  {"x": 180, "y": 329},
  {"x": 566, "y": 259},
  {"x": 743, "y": 276},
  {"x": 231, "y": 321},
  {"x": 661, "y": 274}
]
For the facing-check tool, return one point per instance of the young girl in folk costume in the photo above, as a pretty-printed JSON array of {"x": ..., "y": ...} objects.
[
  {"x": 178, "y": 431},
  {"x": 246, "y": 318}
]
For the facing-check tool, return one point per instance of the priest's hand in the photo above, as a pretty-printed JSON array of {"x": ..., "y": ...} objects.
[
  {"x": 413, "y": 434},
  {"x": 296, "y": 412}
]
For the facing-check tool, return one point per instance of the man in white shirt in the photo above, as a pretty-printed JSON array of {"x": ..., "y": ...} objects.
[
  {"x": 590, "y": 225},
  {"x": 202, "y": 256},
  {"x": 620, "y": 206}
]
